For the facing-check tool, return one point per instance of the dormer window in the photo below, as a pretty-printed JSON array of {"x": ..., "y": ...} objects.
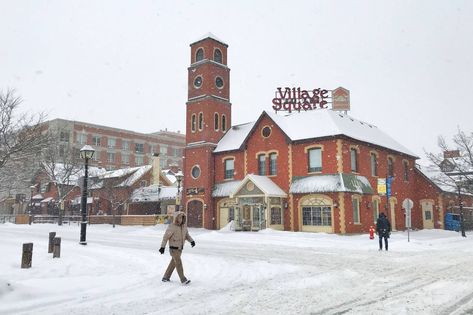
[
  {"x": 199, "y": 55},
  {"x": 218, "y": 56}
]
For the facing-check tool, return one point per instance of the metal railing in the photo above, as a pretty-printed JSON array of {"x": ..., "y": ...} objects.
[{"x": 4, "y": 218}]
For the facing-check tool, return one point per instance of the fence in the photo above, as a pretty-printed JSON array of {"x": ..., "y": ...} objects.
[
  {"x": 4, "y": 218},
  {"x": 102, "y": 219}
]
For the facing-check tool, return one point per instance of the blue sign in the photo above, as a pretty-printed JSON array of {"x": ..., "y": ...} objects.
[{"x": 389, "y": 180}]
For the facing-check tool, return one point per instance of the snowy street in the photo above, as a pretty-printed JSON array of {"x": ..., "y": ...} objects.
[{"x": 268, "y": 272}]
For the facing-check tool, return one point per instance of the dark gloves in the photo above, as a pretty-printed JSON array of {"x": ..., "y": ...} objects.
[
  {"x": 161, "y": 250},
  {"x": 192, "y": 243}
]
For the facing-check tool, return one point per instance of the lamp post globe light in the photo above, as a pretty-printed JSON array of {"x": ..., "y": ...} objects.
[
  {"x": 179, "y": 177},
  {"x": 86, "y": 153}
]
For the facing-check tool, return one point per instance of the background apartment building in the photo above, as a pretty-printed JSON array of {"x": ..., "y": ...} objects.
[{"x": 119, "y": 148}]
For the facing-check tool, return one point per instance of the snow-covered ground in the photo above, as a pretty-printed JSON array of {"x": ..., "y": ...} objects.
[{"x": 268, "y": 272}]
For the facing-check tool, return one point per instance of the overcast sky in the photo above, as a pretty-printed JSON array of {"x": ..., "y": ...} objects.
[{"x": 408, "y": 64}]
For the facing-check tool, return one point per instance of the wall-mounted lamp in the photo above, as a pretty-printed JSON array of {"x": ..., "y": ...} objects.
[
  {"x": 205, "y": 206},
  {"x": 285, "y": 205},
  {"x": 335, "y": 205},
  {"x": 368, "y": 205}
]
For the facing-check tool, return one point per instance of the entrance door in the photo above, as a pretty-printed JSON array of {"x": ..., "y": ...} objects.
[
  {"x": 428, "y": 215},
  {"x": 224, "y": 216},
  {"x": 194, "y": 213}
]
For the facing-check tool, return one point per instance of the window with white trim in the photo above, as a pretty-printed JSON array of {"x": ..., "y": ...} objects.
[
  {"x": 217, "y": 56},
  {"x": 354, "y": 160},
  {"x": 374, "y": 164},
  {"x": 111, "y": 142},
  {"x": 356, "y": 210},
  {"x": 224, "y": 123},
  {"x": 229, "y": 168},
  {"x": 199, "y": 55},
  {"x": 193, "y": 123},
  {"x": 317, "y": 215},
  {"x": 261, "y": 164},
  {"x": 390, "y": 166},
  {"x": 201, "y": 121},
  {"x": 276, "y": 215},
  {"x": 315, "y": 160},
  {"x": 273, "y": 160}
]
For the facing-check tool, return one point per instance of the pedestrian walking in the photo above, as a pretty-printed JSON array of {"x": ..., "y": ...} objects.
[
  {"x": 176, "y": 234},
  {"x": 383, "y": 229}
]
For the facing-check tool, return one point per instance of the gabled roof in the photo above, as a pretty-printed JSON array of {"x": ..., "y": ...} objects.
[
  {"x": 265, "y": 184},
  {"x": 209, "y": 35},
  {"x": 154, "y": 193},
  {"x": 312, "y": 125},
  {"x": 235, "y": 137}
]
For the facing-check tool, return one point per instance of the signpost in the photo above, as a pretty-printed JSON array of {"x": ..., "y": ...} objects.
[{"x": 407, "y": 204}]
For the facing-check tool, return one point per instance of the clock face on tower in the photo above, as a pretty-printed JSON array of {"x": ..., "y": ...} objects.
[{"x": 198, "y": 82}]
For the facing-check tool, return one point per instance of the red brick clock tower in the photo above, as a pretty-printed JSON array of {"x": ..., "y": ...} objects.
[{"x": 208, "y": 117}]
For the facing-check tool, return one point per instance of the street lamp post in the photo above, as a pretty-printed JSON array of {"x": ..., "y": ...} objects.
[
  {"x": 179, "y": 177},
  {"x": 86, "y": 153},
  {"x": 460, "y": 206}
]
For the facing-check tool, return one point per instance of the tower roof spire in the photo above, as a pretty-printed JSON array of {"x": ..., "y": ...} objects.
[{"x": 211, "y": 36}]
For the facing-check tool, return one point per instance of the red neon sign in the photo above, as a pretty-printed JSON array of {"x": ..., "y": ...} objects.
[{"x": 296, "y": 99}]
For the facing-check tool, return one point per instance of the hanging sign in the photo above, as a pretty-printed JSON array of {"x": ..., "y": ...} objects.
[{"x": 381, "y": 186}]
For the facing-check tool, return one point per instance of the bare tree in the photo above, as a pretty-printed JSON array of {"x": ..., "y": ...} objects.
[
  {"x": 116, "y": 195},
  {"x": 21, "y": 140},
  {"x": 455, "y": 163},
  {"x": 61, "y": 163}
]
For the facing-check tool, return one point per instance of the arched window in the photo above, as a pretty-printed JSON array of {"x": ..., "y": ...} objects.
[
  {"x": 218, "y": 56},
  {"x": 201, "y": 121},
  {"x": 224, "y": 123},
  {"x": 390, "y": 166},
  {"x": 216, "y": 121},
  {"x": 193, "y": 123},
  {"x": 199, "y": 55}
]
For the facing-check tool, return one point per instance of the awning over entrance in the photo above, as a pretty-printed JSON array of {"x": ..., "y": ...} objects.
[{"x": 340, "y": 182}]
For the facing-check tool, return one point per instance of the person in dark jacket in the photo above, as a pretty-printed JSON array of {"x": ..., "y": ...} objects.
[
  {"x": 383, "y": 229},
  {"x": 176, "y": 234}
]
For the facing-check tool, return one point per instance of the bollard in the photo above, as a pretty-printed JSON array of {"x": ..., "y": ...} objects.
[
  {"x": 57, "y": 247},
  {"x": 27, "y": 255},
  {"x": 51, "y": 241}
]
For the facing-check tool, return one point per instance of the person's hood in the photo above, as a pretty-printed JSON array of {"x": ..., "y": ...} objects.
[{"x": 178, "y": 214}]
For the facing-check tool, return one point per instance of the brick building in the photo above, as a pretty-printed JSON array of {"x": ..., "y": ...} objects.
[
  {"x": 314, "y": 171},
  {"x": 119, "y": 148}
]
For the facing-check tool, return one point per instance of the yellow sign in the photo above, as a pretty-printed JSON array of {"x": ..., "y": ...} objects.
[{"x": 381, "y": 186}]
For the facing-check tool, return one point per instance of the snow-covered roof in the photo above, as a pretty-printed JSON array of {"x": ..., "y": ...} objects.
[
  {"x": 210, "y": 35},
  {"x": 154, "y": 193},
  {"x": 225, "y": 189},
  {"x": 118, "y": 173},
  {"x": 438, "y": 178},
  {"x": 265, "y": 184},
  {"x": 58, "y": 173},
  {"x": 316, "y": 124},
  {"x": 37, "y": 196},
  {"x": 139, "y": 172},
  {"x": 235, "y": 137},
  {"x": 331, "y": 183}
]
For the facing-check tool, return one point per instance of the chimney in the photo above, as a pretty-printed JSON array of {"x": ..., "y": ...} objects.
[{"x": 156, "y": 169}]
